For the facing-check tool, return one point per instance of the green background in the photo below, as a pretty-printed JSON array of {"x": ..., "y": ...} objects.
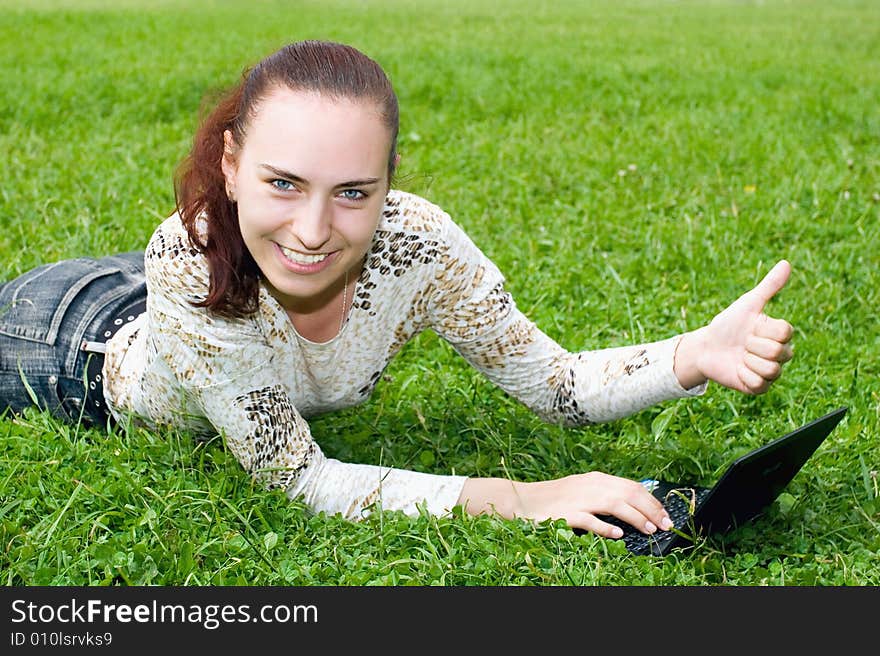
[{"x": 632, "y": 167}]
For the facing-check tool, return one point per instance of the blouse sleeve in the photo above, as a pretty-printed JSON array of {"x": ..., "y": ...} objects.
[
  {"x": 474, "y": 313},
  {"x": 228, "y": 373}
]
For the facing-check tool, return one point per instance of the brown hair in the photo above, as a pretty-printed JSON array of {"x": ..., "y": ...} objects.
[{"x": 331, "y": 69}]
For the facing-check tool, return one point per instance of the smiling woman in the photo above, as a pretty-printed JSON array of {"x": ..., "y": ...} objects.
[
  {"x": 326, "y": 163},
  {"x": 292, "y": 273}
]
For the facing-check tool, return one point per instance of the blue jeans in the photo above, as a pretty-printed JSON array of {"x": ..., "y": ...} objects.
[{"x": 46, "y": 317}]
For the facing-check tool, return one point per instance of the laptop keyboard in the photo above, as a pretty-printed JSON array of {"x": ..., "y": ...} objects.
[{"x": 679, "y": 509}]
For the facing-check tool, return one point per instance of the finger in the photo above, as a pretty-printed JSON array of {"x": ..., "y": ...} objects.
[
  {"x": 776, "y": 329},
  {"x": 652, "y": 509},
  {"x": 642, "y": 510},
  {"x": 636, "y": 519},
  {"x": 766, "y": 369},
  {"x": 598, "y": 525},
  {"x": 769, "y": 349},
  {"x": 595, "y": 525},
  {"x": 773, "y": 281},
  {"x": 752, "y": 383}
]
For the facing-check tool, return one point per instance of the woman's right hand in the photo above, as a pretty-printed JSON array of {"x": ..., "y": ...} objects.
[{"x": 578, "y": 499}]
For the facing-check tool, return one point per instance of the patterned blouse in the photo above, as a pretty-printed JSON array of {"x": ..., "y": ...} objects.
[{"x": 255, "y": 380}]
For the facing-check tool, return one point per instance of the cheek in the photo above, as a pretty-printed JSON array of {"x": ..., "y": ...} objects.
[
  {"x": 360, "y": 233},
  {"x": 254, "y": 233},
  {"x": 256, "y": 215}
]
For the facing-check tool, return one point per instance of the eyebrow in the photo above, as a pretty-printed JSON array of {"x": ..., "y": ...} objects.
[{"x": 295, "y": 178}]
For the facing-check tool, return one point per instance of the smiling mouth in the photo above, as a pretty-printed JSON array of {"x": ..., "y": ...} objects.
[{"x": 301, "y": 258}]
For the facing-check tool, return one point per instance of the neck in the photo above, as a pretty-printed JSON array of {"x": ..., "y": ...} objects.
[{"x": 322, "y": 319}]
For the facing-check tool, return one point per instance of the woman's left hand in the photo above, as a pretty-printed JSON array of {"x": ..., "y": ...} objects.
[{"x": 741, "y": 348}]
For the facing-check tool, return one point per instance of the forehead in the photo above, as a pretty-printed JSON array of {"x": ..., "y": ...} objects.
[
  {"x": 306, "y": 132},
  {"x": 284, "y": 110},
  {"x": 280, "y": 96}
]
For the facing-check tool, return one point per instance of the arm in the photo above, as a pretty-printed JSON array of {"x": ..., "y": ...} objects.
[
  {"x": 272, "y": 441},
  {"x": 472, "y": 311}
]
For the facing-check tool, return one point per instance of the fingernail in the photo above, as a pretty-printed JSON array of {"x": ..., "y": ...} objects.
[
  {"x": 649, "y": 527},
  {"x": 666, "y": 524},
  {"x": 617, "y": 532}
]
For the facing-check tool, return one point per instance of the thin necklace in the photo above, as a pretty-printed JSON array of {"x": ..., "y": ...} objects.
[{"x": 344, "y": 300}]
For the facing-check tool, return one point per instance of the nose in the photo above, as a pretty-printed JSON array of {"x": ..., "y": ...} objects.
[{"x": 312, "y": 223}]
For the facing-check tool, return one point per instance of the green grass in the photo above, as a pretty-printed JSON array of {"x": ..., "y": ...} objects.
[{"x": 631, "y": 167}]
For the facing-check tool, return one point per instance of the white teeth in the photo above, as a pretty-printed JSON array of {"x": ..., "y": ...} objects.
[{"x": 299, "y": 258}]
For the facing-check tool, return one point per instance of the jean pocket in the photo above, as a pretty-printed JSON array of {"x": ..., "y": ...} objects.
[{"x": 33, "y": 305}]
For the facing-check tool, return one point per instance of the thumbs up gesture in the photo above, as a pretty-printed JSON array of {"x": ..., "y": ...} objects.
[{"x": 741, "y": 348}]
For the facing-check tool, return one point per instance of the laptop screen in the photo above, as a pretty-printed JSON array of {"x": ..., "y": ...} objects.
[{"x": 754, "y": 481}]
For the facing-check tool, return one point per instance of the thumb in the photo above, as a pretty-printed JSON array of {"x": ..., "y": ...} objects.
[{"x": 773, "y": 281}]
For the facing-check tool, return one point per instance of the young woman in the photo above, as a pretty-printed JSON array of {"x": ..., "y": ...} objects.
[{"x": 289, "y": 276}]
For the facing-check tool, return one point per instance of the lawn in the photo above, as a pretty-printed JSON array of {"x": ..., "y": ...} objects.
[{"x": 632, "y": 167}]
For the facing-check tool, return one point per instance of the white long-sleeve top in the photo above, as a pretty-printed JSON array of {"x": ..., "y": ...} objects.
[{"x": 255, "y": 380}]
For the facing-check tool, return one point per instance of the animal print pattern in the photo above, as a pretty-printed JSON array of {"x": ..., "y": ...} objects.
[
  {"x": 274, "y": 421},
  {"x": 256, "y": 381}
]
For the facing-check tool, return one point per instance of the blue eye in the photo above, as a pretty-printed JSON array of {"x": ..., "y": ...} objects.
[
  {"x": 282, "y": 185},
  {"x": 352, "y": 194}
]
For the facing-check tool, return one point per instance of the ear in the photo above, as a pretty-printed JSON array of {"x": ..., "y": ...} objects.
[{"x": 228, "y": 163}]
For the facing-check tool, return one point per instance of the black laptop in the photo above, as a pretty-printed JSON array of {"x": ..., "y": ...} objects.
[{"x": 748, "y": 486}]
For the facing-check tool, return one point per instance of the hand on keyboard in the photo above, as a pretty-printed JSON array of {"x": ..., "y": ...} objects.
[{"x": 582, "y": 499}]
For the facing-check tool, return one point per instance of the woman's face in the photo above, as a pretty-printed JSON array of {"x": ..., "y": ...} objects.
[{"x": 310, "y": 181}]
